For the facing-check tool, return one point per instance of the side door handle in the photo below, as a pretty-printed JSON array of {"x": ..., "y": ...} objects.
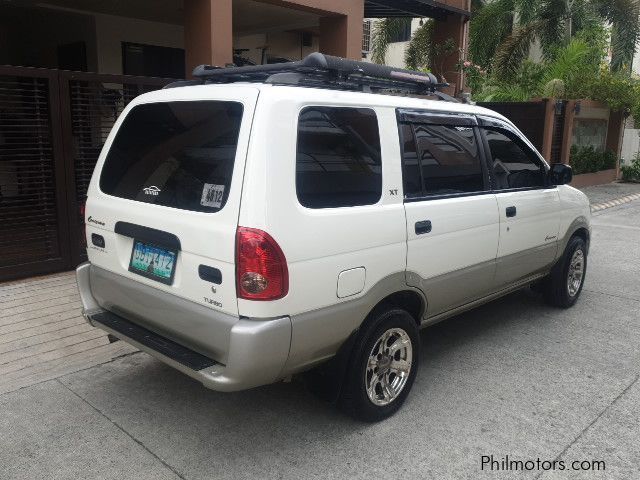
[
  {"x": 511, "y": 211},
  {"x": 423, "y": 227}
]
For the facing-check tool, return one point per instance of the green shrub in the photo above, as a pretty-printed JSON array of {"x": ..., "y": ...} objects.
[
  {"x": 631, "y": 173},
  {"x": 590, "y": 160}
]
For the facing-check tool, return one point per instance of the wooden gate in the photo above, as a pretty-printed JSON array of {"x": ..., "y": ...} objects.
[{"x": 52, "y": 127}]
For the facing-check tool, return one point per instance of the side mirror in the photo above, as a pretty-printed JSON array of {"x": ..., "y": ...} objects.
[{"x": 560, "y": 174}]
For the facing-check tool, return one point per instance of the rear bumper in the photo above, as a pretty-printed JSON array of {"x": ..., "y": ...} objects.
[{"x": 253, "y": 353}]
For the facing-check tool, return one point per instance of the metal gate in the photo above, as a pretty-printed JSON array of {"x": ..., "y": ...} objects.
[{"x": 52, "y": 127}]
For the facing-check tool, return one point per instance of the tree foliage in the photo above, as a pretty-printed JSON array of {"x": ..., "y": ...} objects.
[
  {"x": 503, "y": 31},
  {"x": 577, "y": 71},
  {"x": 384, "y": 32},
  {"x": 419, "y": 52},
  {"x": 563, "y": 76}
]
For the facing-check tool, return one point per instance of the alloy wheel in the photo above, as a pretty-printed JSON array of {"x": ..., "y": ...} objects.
[
  {"x": 575, "y": 275},
  {"x": 388, "y": 366}
]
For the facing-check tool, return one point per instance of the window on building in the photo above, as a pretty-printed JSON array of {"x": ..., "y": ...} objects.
[
  {"x": 366, "y": 36},
  {"x": 338, "y": 157},
  {"x": 513, "y": 164},
  {"x": 403, "y": 31},
  {"x": 440, "y": 160},
  {"x": 152, "y": 61}
]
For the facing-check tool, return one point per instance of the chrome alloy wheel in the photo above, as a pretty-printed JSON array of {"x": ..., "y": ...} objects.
[
  {"x": 575, "y": 274},
  {"x": 388, "y": 366}
]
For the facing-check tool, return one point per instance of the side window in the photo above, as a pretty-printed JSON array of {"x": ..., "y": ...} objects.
[
  {"x": 338, "y": 161},
  {"x": 512, "y": 162},
  {"x": 411, "y": 178},
  {"x": 440, "y": 160}
]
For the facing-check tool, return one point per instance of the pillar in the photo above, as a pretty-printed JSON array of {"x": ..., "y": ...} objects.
[
  {"x": 567, "y": 137},
  {"x": 454, "y": 27},
  {"x": 549, "y": 123},
  {"x": 615, "y": 135},
  {"x": 208, "y": 33},
  {"x": 341, "y": 35}
]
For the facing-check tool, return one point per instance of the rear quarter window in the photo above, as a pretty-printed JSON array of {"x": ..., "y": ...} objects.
[
  {"x": 338, "y": 162},
  {"x": 175, "y": 154}
]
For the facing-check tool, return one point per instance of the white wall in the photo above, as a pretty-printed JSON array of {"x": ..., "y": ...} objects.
[
  {"x": 281, "y": 44},
  {"x": 630, "y": 145},
  {"x": 111, "y": 31}
]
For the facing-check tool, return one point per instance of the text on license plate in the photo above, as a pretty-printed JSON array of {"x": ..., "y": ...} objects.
[{"x": 153, "y": 262}]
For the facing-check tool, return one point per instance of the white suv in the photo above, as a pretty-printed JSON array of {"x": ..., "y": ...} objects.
[{"x": 264, "y": 221}]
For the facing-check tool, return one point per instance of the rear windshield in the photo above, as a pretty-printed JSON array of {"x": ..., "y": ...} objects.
[{"x": 175, "y": 154}]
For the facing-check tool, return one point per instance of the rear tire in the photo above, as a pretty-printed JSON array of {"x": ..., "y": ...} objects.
[
  {"x": 563, "y": 285},
  {"x": 382, "y": 366}
]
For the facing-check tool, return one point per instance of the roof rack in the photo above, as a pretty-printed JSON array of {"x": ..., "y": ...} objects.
[{"x": 325, "y": 71}]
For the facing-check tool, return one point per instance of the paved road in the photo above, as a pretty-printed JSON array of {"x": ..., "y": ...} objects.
[
  {"x": 514, "y": 377},
  {"x": 603, "y": 193}
]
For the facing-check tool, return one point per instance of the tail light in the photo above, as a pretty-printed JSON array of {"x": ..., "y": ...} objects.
[{"x": 261, "y": 268}]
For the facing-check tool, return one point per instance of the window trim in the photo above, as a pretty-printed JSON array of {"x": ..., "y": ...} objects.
[
  {"x": 405, "y": 117},
  {"x": 445, "y": 196},
  {"x": 495, "y": 124},
  {"x": 301, "y": 110},
  {"x": 410, "y": 115}
]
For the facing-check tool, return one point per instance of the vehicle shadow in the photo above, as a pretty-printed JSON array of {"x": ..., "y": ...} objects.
[{"x": 182, "y": 419}]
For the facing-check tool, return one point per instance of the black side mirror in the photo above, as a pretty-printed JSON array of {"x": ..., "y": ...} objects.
[{"x": 560, "y": 174}]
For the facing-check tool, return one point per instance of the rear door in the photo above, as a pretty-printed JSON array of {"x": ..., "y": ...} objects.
[
  {"x": 529, "y": 208},
  {"x": 163, "y": 202},
  {"x": 452, "y": 215}
]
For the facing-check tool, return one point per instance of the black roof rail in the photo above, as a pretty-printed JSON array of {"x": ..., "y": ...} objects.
[{"x": 326, "y": 71}]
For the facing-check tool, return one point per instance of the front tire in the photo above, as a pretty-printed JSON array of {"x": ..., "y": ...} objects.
[
  {"x": 382, "y": 366},
  {"x": 564, "y": 284}
]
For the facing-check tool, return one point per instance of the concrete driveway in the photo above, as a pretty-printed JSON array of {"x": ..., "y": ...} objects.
[{"x": 514, "y": 377}]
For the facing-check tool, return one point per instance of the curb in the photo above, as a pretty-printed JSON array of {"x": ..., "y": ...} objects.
[{"x": 615, "y": 202}]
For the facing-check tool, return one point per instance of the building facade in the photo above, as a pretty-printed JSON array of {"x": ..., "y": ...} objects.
[
  {"x": 69, "y": 67},
  {"x": 155, "y": 38}
]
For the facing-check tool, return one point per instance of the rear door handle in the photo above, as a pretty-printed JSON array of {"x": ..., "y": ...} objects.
[
  {"x": 511, "y": 211},
  {"x": 423, "y": 227}
]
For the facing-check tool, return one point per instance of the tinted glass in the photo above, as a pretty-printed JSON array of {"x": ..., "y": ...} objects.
[
  {"x": 176, "y": 154},
  {"x": 513, "y": 164},
  {"x": 411, "y": 180},
  {"x": 338, "y": 158},
  {"x": 448, "y": 157}
]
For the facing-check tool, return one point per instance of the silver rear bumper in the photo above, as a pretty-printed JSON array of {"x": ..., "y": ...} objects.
[{"x": 244, "y": 352}]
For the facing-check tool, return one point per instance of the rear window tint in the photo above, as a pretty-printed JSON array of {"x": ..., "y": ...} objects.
[
  {"x": 338, "y": 159},
  {"x": 175, "y": 154}
]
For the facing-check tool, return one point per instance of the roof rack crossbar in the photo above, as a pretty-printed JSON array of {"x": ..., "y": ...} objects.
[{"x": 325, "y": 71}]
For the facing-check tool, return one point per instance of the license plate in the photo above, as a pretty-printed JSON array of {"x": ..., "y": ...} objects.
[{"x": 153, "y": 262}]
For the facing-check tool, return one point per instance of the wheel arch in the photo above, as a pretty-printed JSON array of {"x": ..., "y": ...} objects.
[
  {"x": 584, "y": 234},
  {"x": 579, "y": 227},
  {"x": 407, "y": 299},
  {"x": 327, "y": 379}
]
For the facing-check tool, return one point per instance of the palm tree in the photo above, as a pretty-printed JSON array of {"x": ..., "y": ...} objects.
[
  {"x": 384, "y": 32},
  {"x": 561, "y": 77},
  {"x": 421, "y": 52},
  {"x": 503, "y": 31}
]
